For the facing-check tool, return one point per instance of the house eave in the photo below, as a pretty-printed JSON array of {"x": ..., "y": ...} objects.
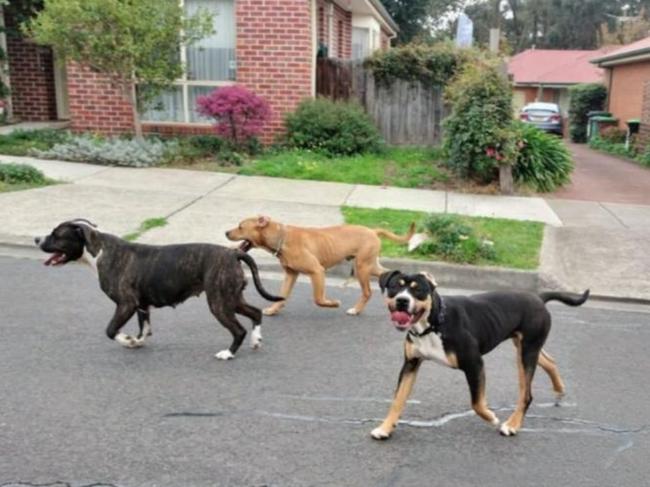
[
  {"x": 555, "y": 84},
  {"x": 625, "y": 58},
  {"x": 376, "y": 9}
]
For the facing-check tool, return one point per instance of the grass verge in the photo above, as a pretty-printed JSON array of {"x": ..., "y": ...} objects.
[
  {"x": 17, "y": 177},
  {"x": 20, "y": 142},
  {"x": 145, "y": 226},
  {"x": 407, "y": 167},
  {"x": 514, "y": 244}
]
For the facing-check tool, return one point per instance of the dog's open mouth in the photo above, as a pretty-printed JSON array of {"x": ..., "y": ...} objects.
[
  {"x": 57, "y": 258},
  {"x": 245, "y": 246},
  {"x": 403, "y": 319}
]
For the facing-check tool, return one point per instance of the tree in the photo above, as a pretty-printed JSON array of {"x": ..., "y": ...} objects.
[
  {"x": 415, "y": 17},
  {"x": 134, "y": 43}
]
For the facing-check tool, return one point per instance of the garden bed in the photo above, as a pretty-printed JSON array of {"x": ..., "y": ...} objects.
[
  {"x": 17, "y": 177},
  {"x": 513, "y": 244}
]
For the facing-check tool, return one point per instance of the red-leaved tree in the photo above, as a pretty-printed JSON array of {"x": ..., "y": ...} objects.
[{"x": 239, "y": 114}]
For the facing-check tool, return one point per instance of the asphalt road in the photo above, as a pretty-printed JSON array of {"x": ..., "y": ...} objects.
[{"x": 78, "y": 409}]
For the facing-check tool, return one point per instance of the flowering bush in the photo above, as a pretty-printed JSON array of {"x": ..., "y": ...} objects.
[{"x": 239, "y": 113}]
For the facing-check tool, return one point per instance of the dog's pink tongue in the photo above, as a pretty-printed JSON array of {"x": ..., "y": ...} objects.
[{"x": 400, "y": 317}]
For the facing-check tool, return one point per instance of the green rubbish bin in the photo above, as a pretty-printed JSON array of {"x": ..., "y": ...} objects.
[{"x": 599, "y": 122}]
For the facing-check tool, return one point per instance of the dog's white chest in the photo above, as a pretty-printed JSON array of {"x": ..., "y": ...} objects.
[{"x": 429, "y": 347}]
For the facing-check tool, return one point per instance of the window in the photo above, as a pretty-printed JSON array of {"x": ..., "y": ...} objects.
[
  {"x": 209, "y": 63},
  {"x": 360, "y": 42}
]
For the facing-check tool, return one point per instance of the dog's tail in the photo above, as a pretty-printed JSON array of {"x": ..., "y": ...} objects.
[
  {"x": 244, "y": 257},
  {"x": 396, "y": 238},
  {"x": 566, "y": 298}
]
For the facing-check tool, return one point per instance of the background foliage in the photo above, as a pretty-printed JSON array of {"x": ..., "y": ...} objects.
[{"x": 584, "y": 99}]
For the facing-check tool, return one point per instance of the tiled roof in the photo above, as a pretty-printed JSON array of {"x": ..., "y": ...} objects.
[
  {"x": 636, "y": 48},
  {"x": 549, "y": 66}
]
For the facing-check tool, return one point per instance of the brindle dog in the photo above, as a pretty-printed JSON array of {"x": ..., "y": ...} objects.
[{"x": 137, "y": 277}]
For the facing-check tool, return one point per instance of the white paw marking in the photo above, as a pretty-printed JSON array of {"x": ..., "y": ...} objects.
[
  {"x": 507, "y": 430},
  {"x": 495, "y": 421},
  {"x": 127, "y": 341},
  {"x": 379, "y": 434},
  {"x": 224, "y": 355},
  {"x": 256, "y": 338},
  {"x": 352, "y": 312},
  {"x": 558, "y": 398}
]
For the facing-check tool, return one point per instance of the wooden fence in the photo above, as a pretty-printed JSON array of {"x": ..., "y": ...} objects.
[{"x": 405, "y": 112}]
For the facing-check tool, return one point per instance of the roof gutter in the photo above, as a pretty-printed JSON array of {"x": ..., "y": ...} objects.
[
  {"x": 386, "y": 17},
  {"x": 627, "y": 57}
]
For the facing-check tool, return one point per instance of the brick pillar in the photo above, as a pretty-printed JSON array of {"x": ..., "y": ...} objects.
[
  {"x": 275, "y": 55},
  {"x": 643, "y": 139},
  {"x": 31, "y": 70}
]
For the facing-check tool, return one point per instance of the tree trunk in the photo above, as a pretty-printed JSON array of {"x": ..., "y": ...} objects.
[
  {"x": 137, "y": 124},
  {"x": 505, "y": 179}
]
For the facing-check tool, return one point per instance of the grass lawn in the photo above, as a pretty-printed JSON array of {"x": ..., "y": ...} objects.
[
  {"x": 516, "y": 244},
  {"x": 407, "y": 167},
  {"x": 17, "y": 177},
  {"x": 5, "y": 188},
  {"x": 145, "y": 226},
  {"x": 19, "y": 142}
]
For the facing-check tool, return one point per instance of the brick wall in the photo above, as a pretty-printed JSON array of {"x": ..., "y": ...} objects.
[
  {"x": 340, "y": 43},
  {"x": 627, "y": 90},
  {"x": 31, "y": 71},
  {"x": 275, "y": 57},
  {"x": 643, "y": 139},
  {"x": 95, "y": 105}
]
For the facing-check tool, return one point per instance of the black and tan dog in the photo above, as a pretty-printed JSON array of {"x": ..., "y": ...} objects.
[
  {"x": 137, "y": 277},
  {"x": 457, "y": 331}
]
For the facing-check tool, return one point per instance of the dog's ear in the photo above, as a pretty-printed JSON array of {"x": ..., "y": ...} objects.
[
  {"x": 431, "y": 280},
  {"x": 385, "y": 278},
  {"x": 90, "y": 236},
  {"x": 263, "y": 221}
]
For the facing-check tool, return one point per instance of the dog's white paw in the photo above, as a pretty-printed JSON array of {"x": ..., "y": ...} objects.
[
  {"x": 256, "y": 338},
  {"x": 507, "y": 430},
  {"x": 379, "y": 434},
  {"x": 352, "y": 312},
  {"x": 224, "y": 355},
  {"x": 495, "y": 422},
  {"x": 558, "y": 399},
  {"x": 128, "y": 341}
]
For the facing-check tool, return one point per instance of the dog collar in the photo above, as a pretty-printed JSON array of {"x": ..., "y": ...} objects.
[
  {"x": 277, "y": 251},
  {"x": 440, "y": 319}
]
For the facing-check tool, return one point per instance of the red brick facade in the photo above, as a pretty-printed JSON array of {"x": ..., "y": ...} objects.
[
  {"x": 644, "y": 130},
  {"x": 275, "y": 53},
  {"x": 334, "y": 29},
  {"x": 95, "y": 105},
  {"x": 31, "y": 71}
]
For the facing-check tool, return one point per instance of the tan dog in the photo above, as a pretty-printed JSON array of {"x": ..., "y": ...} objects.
[{"x": 312, "y": 251}]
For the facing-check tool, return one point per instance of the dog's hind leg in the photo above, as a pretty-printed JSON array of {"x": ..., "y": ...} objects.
[
  {"x": 475, "y": 375},
  {"x": 548, "y": 364},
  {"x": 255, "y": 316},
  {"x": 527, "y": 358},
  {"x": 363, "y": 275},
  {"x": 228, "y": 319},
  {"x": 123, "y": 313}
]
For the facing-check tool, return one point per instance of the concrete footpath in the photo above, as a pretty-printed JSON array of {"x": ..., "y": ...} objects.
[{"x": 201, "y": 206}]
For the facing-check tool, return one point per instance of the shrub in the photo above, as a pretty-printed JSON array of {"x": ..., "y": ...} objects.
[
  {"x": 431, "y": 64},
  {"x": 613, "y": 135},
  {"x": 584, "y": 99},
  {"x": 616, "y": 148},
  {"x": 333, "y": 128},
  {"x": 455, "y": 240},
  {"x": 542, "y": 161},
  {"x": 475, "y": 140},
  {"x": 112, "y": 152},
  {"x": 20, "y": 174},
  {"x": 239, "y": 114},
  {"x": 19, "y": 142}
]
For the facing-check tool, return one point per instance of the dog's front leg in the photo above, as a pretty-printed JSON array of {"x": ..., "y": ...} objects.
[
  {"x": 318, "y": 286},
  {"x": 144, "y": 322},
  {"x": 404, "y": 387},
  {"x": 290, "y": 277},
  {"x": 123, "y": 313}
]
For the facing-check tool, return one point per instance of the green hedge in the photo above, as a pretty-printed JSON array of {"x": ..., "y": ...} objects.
[{"x": 584, "y": 99}]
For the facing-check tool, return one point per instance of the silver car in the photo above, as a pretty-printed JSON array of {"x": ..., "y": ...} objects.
[{"x": 544, "y": 116}]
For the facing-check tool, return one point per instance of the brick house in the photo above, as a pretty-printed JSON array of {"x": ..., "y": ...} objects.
[
  {"x": 627, "y": 76},
  {"x": 269, "y": 46},
  {"x": 547, "y": 74}
]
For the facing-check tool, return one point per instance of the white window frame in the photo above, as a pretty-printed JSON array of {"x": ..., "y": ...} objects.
[{"x": 185, "y": 84}]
